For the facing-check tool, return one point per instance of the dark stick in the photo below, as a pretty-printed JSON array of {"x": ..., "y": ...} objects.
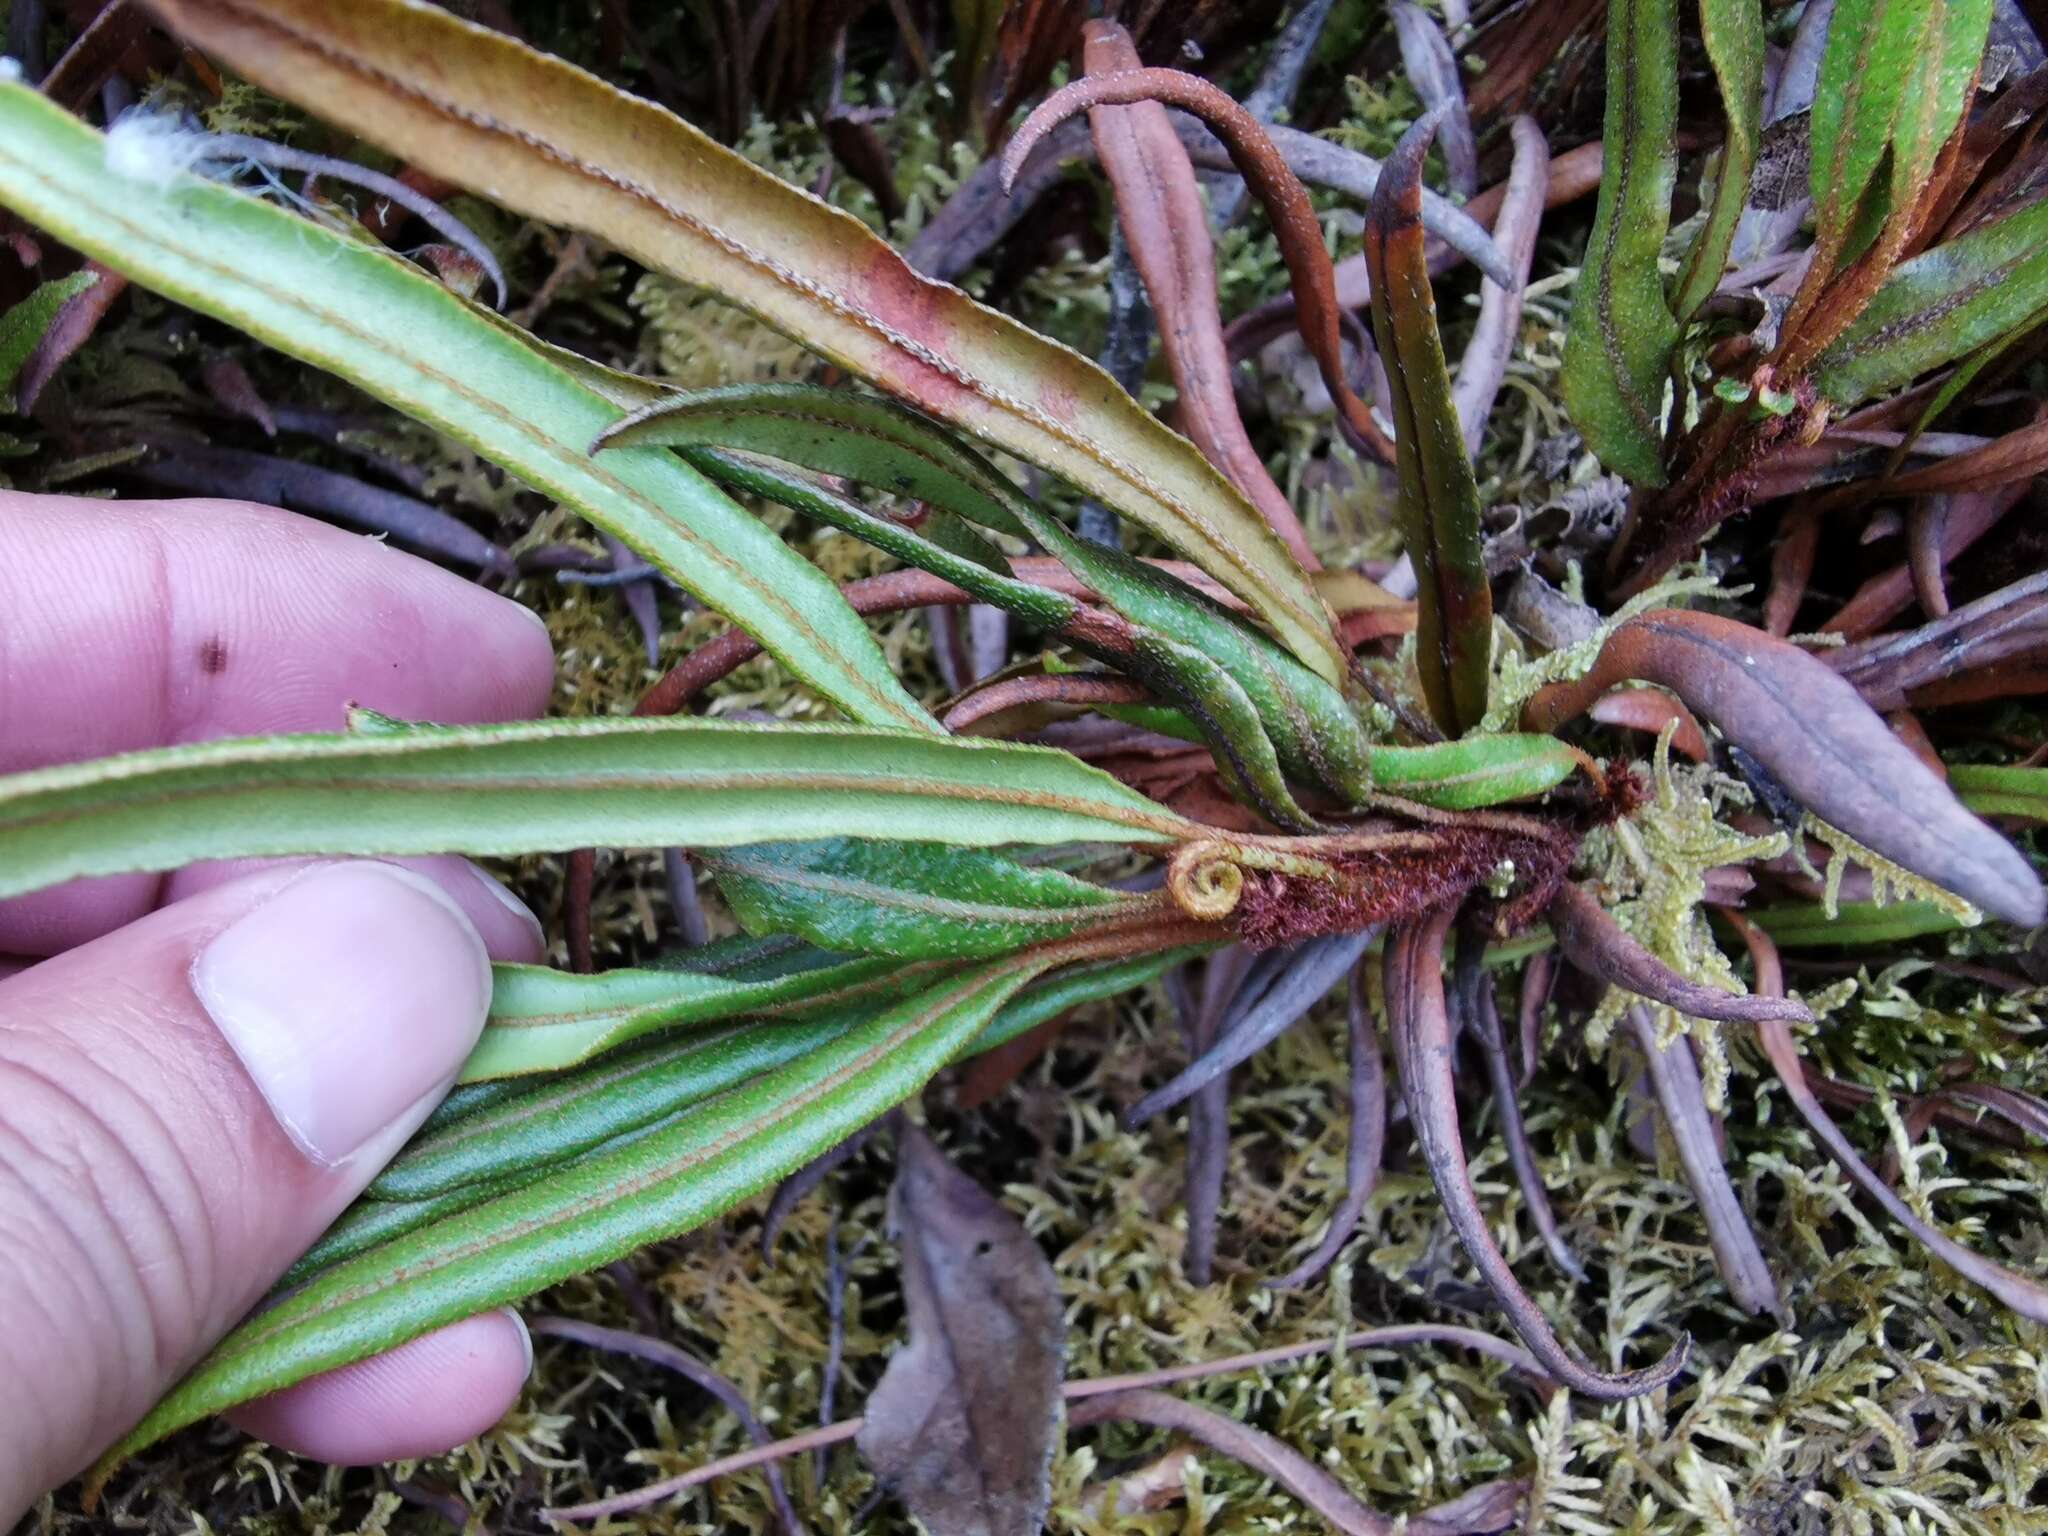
[
  {"x": 25, "y": 23},
  {"x": 836, "y": 1276},
  {"x": 1310, "y": 971},
  {"x": 1675, "y": 1078},
  {"x": 1472, "y": 989},
  {"x": 89, "y": 62},
  {"x": 1126, "y": 349},
  {"x": 691, "y": 927},
  {"x": 693, "y": 1370},
  {"x": 791, "y": 1191},
  {"x": 209, "y": 471},
  {"x": 1368, "y": 1137},
  {"x": 1537, "y": 978},
  {"x": 1208, "y": 1153},
  {"x": 636, "y": 594},
  {"x": 1420, "y": 1026}
]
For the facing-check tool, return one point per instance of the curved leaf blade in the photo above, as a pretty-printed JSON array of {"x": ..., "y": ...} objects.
[
  {"x": 544, "y": 1020},
  {"x": 25, "y": 324},
  {"x": 385, "y": 326},
  {"x": 547, "y": 139},
  {"x": 1733, "y": 31},
  {"x": 1618, "y": 349},
  {"x": 877, "y": 442},
  {"x": 1439, "y": 499},
  {"x": 912, "y": 900},
  {"x": 1489, "y": 769},
  {"x": 537, "y": 786},
  {"x": 593, "y": 1210},
  {"x": 1305, "y": 721},
  {"x": 1895, "y": 79},
  {"x": 1942, "y": 305}
]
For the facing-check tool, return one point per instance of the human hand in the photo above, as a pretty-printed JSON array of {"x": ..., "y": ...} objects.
[{"x": 199, "y": 1071}]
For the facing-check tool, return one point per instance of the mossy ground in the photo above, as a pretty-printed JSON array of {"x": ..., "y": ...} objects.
[{"x": 1897, "y": 1400}]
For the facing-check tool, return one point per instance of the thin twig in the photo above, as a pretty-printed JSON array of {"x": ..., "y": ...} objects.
[
  {"x": 281, "y": 157},
  {"x": 1472, "y": 992},
  {"x": 1368, "y": 1136},
  {"x": 725, "y": 1466},
  {"x": 683, "y": 1363},
  {"x": 846, "y": 1429}
]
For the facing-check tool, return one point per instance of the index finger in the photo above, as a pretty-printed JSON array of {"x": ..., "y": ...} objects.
[{"x": 132, "y": 624}]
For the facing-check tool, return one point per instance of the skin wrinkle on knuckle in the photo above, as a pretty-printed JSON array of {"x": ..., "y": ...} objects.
[
  {"x": 59, "y": 1270},
  {"x": 32, "y": 1315},
  {"x": 171, "y": 1173},
  {"x": 126, "y": 1188}
]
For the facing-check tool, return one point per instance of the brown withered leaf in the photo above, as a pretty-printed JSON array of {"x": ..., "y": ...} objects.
[
  {"x": 962, "y": 1426},
  {"x": 1159, "y": 204}
]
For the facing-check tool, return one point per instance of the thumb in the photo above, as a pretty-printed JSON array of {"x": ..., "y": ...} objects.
[{"x": 185, "y": 1105}]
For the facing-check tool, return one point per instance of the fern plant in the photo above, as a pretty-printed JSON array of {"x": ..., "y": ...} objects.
[{"x": 897, "y": 918}]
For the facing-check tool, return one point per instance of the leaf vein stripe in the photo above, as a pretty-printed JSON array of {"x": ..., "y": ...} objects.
[
  {"x": 546, "y": 448},
  {"x": 640, "y": 1183},
  {"x": 769, "y": 267}
]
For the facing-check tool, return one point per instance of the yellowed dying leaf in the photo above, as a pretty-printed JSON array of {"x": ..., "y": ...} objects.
[{"x": 542, "y": 137}]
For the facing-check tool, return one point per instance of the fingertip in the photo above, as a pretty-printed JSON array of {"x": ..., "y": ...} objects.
[
  {"x": 510, "y": 931},
  {"x": 425, "y": 1397},
  {"x": 529, "y": 655}
]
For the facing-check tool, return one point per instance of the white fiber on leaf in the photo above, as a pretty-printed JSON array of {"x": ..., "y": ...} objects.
[{"x": 154, "y": 147}]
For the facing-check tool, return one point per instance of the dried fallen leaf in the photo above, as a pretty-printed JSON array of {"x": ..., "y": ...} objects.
[{"x": 962, "y": 1425}]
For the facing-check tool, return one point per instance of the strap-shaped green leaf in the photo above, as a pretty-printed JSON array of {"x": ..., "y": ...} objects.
[
  {"x": 1941, "y": 306},
  {"x": 1232, "y": 725},
  {"x": 862, "y": 437},
  {"x": 1479, "y": 771},
  {"x": 1894, "y": 81},
  {"x": 1493, "y": 768},
  {"x": 595, "y": 1209},
  {"x": 1036, "y": 605},
  {"x": 881, "y": 443},
  {"x": 544, "y": 138},
  {"x": 1856, "y": 924},
  {"x": 1618, "y": 351},
  {"x": 1733, "y": 31},
  {"x": 540, "y": 785},
  {"x": 572, "y": 1112},
  {"x": 1992, "y": 790},
  {"x": 543, "y": 1132},
  {"x": 388, "y": 328},
  {"x": 1438, "y": 498},
  {"x": 913, "y": 900},
  {"x": 543, "y": 1020}
]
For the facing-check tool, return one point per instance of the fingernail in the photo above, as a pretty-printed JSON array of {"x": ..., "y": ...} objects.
[
  {"x": 521, "y": 912},
  {"x": 525, "y": 1337},
  {"x": 352, "y": 996}
]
